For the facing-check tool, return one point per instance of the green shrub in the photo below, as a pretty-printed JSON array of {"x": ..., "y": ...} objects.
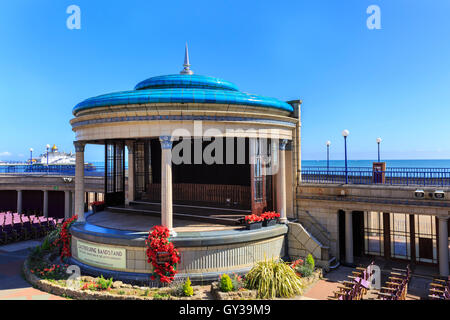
[
  {"x": 305, "y": 270},
  {"x": 54, "y": 235},
  {"x": 187, "y": 289},
  {"x": 104, "y": 284},
  {"x": 226, "y": 285},
  {"x": 146, "y": 292},
  {"x": 35, "y": 254},
  {"x": 273, "y": 279},
  {"x": 46, "y": 244},
  {"x": 160, "y": 296},
  {"x": 237, "y": 282},
  {"x": 310, "y": 261}
]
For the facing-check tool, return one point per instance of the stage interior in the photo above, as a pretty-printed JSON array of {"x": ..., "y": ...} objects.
[{"x": 140, "y": 216}]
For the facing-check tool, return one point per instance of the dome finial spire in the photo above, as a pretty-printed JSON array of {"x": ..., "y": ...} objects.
[{"x": 186, "y": 64}]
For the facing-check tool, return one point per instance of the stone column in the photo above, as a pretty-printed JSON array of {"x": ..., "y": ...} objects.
[
  {"x": 443, "y": 246},
  {"x": 166, "y": 183},
  {"x": 298, "y": 134},
  {"x": 45, "y": 206},
  {"x": 66, "y": 204},
  {"x": 72, "y": 203},
  {"x": 130, "y": 197},
  {"x": 349, "y": 236},
  {"x": 79, "y": 180},
  {"x": 19, "y": 201},
  {"x": 281, "y": 181}
]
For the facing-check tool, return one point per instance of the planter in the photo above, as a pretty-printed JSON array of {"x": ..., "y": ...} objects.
[
  {"x": 98, "y": 207},
  {"x": 254, "y": 225},
  {"x": 269, "y": 223}
]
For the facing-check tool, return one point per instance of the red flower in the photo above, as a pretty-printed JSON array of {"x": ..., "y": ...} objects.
[
  {"x": 270, "y": 215},
  {"x": 296, "y": 263},
  {"x": 252, "y": 218},
  {"x": 97, "y": 203},
  {"x": 158, "y": 242},
  {"x": 65, "y": 237}
]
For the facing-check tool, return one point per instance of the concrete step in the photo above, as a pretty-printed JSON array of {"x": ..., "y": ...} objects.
[{"x": 333, "y": 263}]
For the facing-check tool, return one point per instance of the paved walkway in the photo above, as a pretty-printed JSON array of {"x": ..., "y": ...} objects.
[
  {"x": 12, "y": 284},
  {"x": 418, "y": 287}
]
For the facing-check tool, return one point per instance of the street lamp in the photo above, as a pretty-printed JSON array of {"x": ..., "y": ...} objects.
[
  {"x": 345, "y": 134},
  {"x": 31, "y": 155},
  {"x": 48, "y": 147},
  {"x": 328, "y": 155},
  {"x": 378, "y": 142}
]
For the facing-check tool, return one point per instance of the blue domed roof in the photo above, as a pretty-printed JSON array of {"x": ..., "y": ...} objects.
[
  {"x": 186, "y": 81},
  {"x": 183, "y": 88}
]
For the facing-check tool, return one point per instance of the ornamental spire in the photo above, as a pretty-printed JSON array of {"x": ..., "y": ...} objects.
[{"x": 186, "y": 64}]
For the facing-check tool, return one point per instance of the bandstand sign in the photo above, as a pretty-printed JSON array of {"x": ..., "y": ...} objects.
[{"x": 101, "y": 256}]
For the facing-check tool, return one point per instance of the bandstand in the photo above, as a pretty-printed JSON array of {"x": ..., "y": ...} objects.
[{"x": 200, "y": 156}]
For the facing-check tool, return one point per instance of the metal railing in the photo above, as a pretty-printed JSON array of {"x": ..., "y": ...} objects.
[
  {"x": 55, "y": 170},
  {"x": 392, "y": 176}
]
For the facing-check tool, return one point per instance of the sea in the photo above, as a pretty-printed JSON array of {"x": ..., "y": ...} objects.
[
  {"x": 440, "y": 163},
  {"x": 431, "y": 163}
]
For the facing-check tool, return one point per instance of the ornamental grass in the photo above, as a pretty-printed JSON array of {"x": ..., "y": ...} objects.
[{"x": 273, "y": 279}]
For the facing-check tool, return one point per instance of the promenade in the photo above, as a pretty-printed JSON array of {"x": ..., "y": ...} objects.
[{"x": 12, "y": 284}]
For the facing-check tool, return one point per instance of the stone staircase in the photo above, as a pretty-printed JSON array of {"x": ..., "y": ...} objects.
[{"x": 307, "y": 235}]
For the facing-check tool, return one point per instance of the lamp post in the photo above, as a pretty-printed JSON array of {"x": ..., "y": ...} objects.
[
  {"x": 345, "y": 134},
  {"x": 48, "y": 147},
  {"x": 328, "y": 155},
  {"x": 378, "y": 142},
  {"x": 31, "y": 155}
]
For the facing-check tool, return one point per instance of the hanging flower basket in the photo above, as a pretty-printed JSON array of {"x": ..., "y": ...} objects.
[
  {"x": 163, "y": 257},
  {"x": 162, "y": 254}
]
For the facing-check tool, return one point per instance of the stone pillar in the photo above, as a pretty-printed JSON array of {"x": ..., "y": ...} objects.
[
  {"x": 72, "y": 203},
  {"x": 298, "y": 136},
  {"x": 443, "y": 246},
  {"x": 79, "y": 180},
  {"x": 349, "y": 236},
  {"x": 67, "y": 204},
  {"x": 130, "y": 195},
  {"x": 19, "y": 201},
  {"x": 281, "y": 181},
  {"x": 166, "y": 183},
  {"x": 45, "y": 206}
]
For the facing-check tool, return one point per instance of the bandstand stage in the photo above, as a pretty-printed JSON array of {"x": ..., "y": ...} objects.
[{"x": 240, "y": 155}]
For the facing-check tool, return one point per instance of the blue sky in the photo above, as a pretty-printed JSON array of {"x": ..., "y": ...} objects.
[{"x": 392, "y": 83}]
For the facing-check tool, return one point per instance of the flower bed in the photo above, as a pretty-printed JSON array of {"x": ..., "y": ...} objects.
[
  {"x": 90, "y": 288},
  {"x": 231, "y": 295}
]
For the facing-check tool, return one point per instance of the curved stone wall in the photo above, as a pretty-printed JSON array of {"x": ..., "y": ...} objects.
[{"x": 204, "y": 255}]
